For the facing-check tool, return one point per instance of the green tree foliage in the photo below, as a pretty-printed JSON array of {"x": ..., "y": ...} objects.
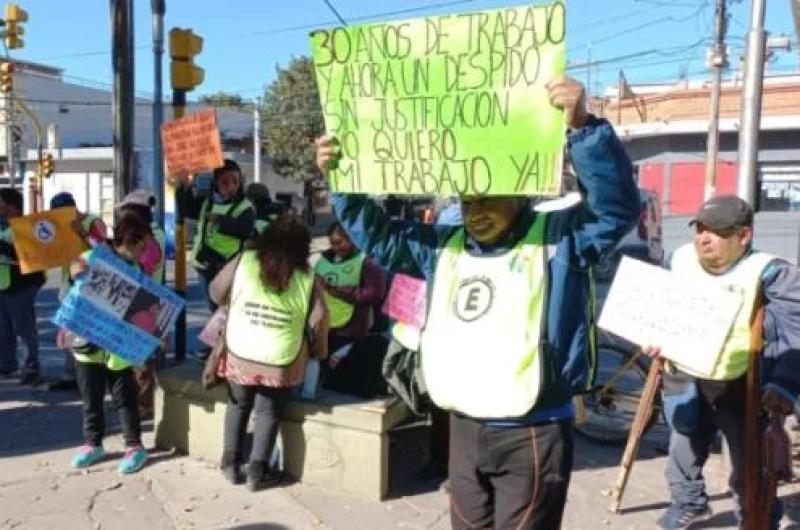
[
  {"x": 222, "y": 99},
  {"x": 292, "y": 120}
]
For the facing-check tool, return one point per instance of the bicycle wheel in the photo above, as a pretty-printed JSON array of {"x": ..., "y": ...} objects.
[{"x": 610, "y": 407}]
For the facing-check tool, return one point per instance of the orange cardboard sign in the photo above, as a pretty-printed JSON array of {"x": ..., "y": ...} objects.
[
  {"x": 46, "y": 240},
  {"x": 192, "y": 143}
]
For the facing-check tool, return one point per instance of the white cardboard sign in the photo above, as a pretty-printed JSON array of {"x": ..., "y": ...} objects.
[{"x": 689, "y": 320}]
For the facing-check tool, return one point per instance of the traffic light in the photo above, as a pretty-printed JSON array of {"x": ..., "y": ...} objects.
[
  {"x": 15, "y": 16},
  {"x": 183, "y": 46},
  {"x": 6, "y": 77},
  {"x": 47, "y": 166}
]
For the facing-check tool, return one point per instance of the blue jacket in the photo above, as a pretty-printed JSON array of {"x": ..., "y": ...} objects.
[{"x": 577, "y": 237}]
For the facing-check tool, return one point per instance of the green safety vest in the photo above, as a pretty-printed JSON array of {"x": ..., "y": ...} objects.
[
  {"x": 744, "y": 278},
  {"x": 161, "y": 239},
  {"x": 340, "y": 274},
  {"x": 265, "y": 326},
  {"x": 480, "y": 349},
  {"x": 91, "y": 354},
  {"x": 208, "y": 234},
  {"x": 5, "y": 268}
]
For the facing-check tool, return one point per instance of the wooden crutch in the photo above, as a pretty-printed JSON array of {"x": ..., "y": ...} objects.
[{"x": 643, "y": 413}]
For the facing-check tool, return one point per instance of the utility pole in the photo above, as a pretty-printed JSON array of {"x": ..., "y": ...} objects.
[
  {"x": 158, "y": 8},
  {"x": 122, "y": 63},
  {"x": 752, "y": 88},
  {"x": 184, "y": 76},
  {"x": 257, "y": 140},
  {"x": 717, "y": 61},
  {"x": 14, "y": 18}
]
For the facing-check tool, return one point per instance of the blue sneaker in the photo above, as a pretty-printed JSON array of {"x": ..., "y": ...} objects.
[
  {"x": 88, "y": 455},
  {"x": 680, "y": 517},
  {"x": 134, "y": 459}
]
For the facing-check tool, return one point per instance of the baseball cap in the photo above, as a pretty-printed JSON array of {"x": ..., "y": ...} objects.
[
  {"x": 61, "y": 200},
  {"x": 723, "y": 212},
  {"x": 139, "y": 197}
]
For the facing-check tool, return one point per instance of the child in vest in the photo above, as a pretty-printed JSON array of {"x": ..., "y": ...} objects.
[{"x": 98, "y": 369}]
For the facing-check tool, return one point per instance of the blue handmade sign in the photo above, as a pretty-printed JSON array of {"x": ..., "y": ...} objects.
[{"x": 118, "y": 308}]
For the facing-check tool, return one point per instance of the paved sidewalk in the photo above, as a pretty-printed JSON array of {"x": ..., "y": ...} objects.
[{"x": 40, "y": 430}]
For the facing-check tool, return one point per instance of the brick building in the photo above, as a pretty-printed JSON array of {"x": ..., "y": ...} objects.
[{"x": 665, "y": 128}]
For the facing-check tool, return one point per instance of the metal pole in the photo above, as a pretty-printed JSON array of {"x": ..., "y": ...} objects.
[
  {"x": 11, "y": 159},
  {"x": 589, "y": 72},
  {"x": 717, "y": 63},
  {"x": 257, "y": 141},
  {"x": 751, "y": 104},
  {"x": 122, "y": 62},
  {"x": 178, "y": 111},
  {"x": 158, "y": 8}
]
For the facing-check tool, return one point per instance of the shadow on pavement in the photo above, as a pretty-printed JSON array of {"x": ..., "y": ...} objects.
[{"x": 259, "y": 526}]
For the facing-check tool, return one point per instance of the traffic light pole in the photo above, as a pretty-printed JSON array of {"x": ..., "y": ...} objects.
[
  {"x": 122, "y": 62},
  {"x": 11, "y": 159},
  {"x": 178, "y": 111},
  {"x": 158, "y": 8}
]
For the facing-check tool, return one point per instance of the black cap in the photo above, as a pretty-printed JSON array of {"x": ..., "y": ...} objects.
[{"x": 723, "y": 212}]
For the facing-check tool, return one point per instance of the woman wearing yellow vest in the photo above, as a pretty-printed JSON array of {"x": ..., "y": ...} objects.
[
  {"x": 99, "y": 369},
  {"x": 276, "y": 320},
  {"x": 698, "y": 406}
]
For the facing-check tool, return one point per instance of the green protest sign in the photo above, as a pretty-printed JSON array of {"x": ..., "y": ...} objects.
[{"x": 450, "y": 104}]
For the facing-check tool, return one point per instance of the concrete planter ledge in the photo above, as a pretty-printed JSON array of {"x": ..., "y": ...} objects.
[{"x": 338, "y": 441}]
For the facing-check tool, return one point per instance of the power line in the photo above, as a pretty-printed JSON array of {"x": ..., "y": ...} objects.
[
  {"x": 333, "y": 10},
  {"x": 639, "y": 27},
  {"x": 361, "y": 18}
]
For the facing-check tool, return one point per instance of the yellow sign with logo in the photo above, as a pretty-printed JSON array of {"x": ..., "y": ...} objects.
[{"x": 46, "y": 240}]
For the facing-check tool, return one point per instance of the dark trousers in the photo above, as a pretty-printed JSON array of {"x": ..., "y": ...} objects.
[
  {"x": 509, "y": 477},
  {"x": 722, "y": 408},
  {"x": 439, "y": 436},
  {"x": 93, "y": 379},
  {"x": 270, "y": 404},
  {"x": 18, "y": 318},
  {"x": 207, "y": 276}
]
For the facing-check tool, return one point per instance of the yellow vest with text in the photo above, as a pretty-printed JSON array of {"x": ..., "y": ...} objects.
[
  {"x": 340, "y": 274},
  {"x": 481, "y": 343},
  {"x": 744, "y": 278},
  {"x": 266, "y": 326},
  {"x": 91, "y": 354},
  {"x": 208, "y": 234}
]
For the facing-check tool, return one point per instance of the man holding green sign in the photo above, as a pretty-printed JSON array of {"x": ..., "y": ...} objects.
[{"x": 505, "y": 343}]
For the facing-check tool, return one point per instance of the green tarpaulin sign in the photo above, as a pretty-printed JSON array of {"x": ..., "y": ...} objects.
[{"x": 450, "y": 104}]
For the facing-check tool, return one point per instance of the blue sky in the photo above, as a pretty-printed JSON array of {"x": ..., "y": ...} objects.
[{"x": 246, "y": 39}]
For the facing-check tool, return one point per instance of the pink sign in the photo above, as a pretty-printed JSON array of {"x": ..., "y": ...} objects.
[
  {"x": 214, "y": 327},
  {"x": 407, "y": 300}
]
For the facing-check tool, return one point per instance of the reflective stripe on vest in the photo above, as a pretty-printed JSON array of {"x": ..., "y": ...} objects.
[
  {"x": 265, "y": 326},
  {"x": 5, "y": 269},
  {"x": 480, "y": 345},
  {"x": 342, "y": 274},
  {"x": 223, "y": 244},
  {"x": 744, "y": 278}
]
